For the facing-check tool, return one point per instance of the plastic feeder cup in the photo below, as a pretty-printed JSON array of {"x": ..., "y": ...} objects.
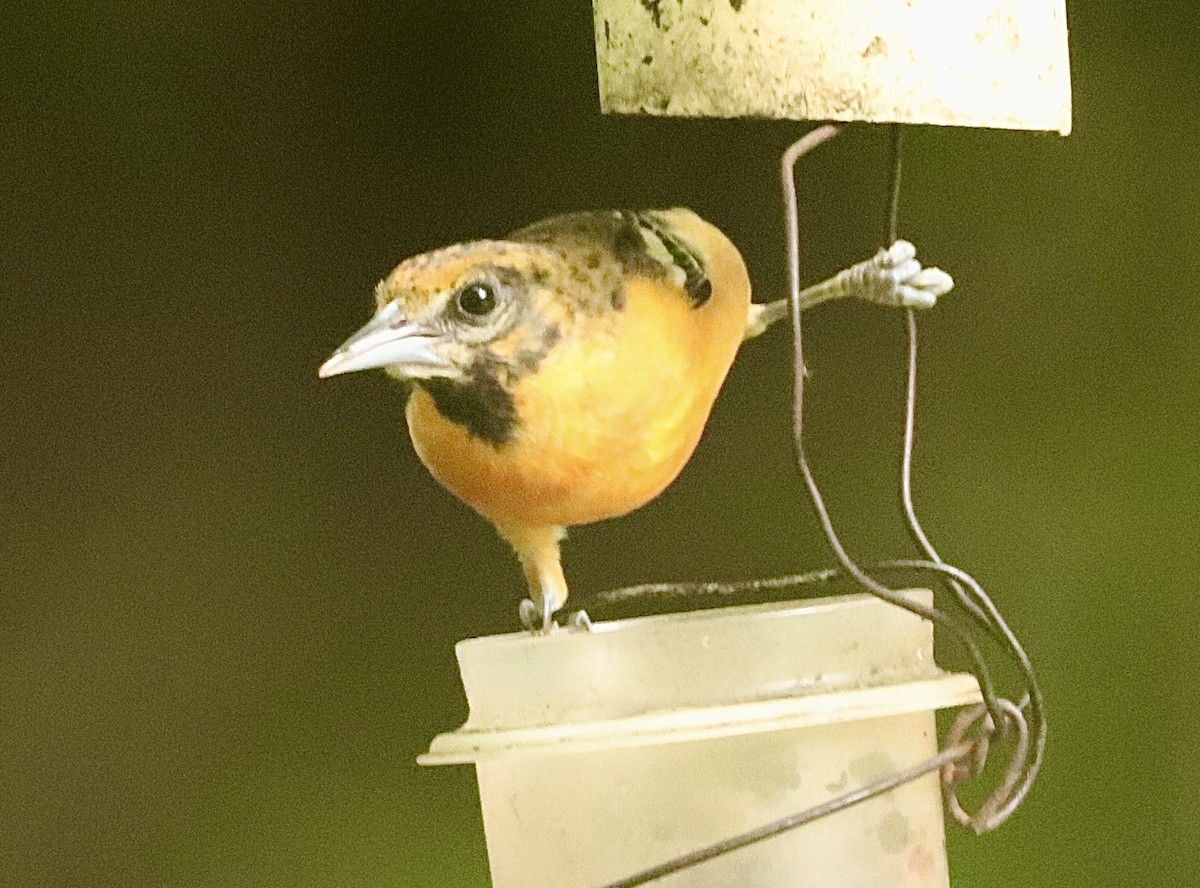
[{"x": 602, "y": 753}]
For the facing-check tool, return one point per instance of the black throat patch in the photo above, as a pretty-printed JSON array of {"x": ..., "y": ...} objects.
[{"x": 480, "y": 404}]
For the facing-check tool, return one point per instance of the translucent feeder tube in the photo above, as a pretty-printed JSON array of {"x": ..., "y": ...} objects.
[{"x": 603, "y": 753}]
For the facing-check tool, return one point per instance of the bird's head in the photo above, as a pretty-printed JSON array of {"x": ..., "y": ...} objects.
[
  {"x": 465, "y": 323},
  {"x": 454, "y": 312}
]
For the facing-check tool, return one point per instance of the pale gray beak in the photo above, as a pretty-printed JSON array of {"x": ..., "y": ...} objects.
[{"x": 388, "y": 339}]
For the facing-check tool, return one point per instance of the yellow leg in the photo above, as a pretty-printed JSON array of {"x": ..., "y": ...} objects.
[{"x": 537, "y": 548}]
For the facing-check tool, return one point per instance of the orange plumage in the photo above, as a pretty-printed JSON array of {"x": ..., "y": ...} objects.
[{"x": 564, "y": 374}]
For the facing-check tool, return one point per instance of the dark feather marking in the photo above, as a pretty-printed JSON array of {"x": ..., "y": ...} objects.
[
  {"x": 620, "y": 234},
  {"x": 630, "y": 247},
  {"x": 480, "y": 404},
  {"x": 506, "y": 277},
  {"x": 696, "y": 282},
  {"x": 528, "y": 360}
]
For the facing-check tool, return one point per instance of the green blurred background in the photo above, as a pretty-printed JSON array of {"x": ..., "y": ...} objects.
[{"x": 229, "y": 593}]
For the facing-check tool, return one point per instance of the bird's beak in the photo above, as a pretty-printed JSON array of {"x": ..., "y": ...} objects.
[{"x": 389, "y": 340}]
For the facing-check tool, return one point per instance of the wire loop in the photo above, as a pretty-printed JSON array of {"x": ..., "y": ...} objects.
[
  {"x": 977, "y": 732},
  {"x": 1003, "y": 800}
]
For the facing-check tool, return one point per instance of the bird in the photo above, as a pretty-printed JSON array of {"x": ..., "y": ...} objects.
[{"x": 564, "y": 374}]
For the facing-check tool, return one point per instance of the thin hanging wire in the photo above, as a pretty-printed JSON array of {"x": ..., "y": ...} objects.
[
  {"x": 1024, "y": 767},
  {"x": 890, "y": 235},
  {"x": 997, "y": 717},
  {"x": 1003, "y": 716},
  {"x": 799, "y": 375}
]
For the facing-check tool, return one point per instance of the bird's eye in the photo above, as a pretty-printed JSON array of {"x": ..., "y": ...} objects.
[{"x": 476, "y": 300}]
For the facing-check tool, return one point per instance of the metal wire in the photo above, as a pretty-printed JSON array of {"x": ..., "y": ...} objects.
[
  {"x": 997, "y": 718},
  {"x": 799, "y": 374},
  {"x": 942, "y": 760},
  {"x": 1023, "y": 769}
]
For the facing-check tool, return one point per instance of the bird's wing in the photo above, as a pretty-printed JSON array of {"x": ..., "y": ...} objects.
[{"x": 642, "y": 243}]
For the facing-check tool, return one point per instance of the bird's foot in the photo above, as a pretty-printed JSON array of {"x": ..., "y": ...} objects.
[
  {"x": 532, "y": 619},
  {"x": 579, "y": 621},
  {"x": 540, "y": 620},
  {"x": 894, "y": 277},
  {"x": 536, "y": 617}
]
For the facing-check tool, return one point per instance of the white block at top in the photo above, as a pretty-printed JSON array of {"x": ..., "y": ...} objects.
[{"x": 988, "y": 63}]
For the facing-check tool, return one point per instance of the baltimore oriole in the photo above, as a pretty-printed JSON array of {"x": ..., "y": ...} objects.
[{"x": 564, "y": 374}]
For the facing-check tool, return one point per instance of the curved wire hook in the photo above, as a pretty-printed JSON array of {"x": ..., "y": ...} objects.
[{"x": 997, "y": 717}]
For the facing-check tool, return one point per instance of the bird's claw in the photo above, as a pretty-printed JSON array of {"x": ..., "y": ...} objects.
[
  {"x": 532, "y": 619},
  {"x": 540, "y": 620},
  {"x": 894, "y": 277},
  {"x": 579, "y": 621}
]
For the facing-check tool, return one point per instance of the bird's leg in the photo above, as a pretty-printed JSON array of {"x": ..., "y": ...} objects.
[
  {"x": 539, "y": 555},
  {"x": 892, "y": 277}
]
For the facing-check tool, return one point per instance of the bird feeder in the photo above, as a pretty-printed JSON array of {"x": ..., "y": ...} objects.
[{"x": 607, "y": 752}]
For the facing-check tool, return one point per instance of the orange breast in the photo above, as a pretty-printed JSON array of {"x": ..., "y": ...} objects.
[{"x": 609, "y": 419}]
